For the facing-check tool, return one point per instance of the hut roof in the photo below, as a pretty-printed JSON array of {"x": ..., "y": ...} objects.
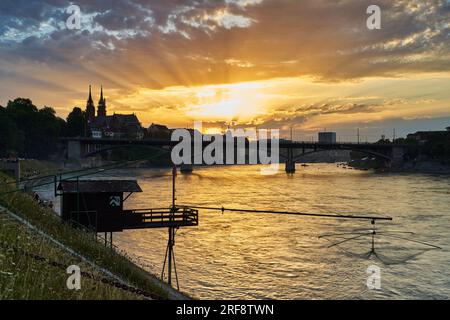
[{"x": 99, "y": 186}]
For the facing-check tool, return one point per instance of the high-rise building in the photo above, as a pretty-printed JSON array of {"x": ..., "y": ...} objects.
[{"x": 327, "y": 137}]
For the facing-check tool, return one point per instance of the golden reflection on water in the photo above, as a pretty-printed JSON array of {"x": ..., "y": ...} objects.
[{"x": 260, "y": 256}]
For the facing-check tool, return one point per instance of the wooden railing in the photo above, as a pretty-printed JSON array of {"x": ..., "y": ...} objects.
[{"x": 160, "y": 217}]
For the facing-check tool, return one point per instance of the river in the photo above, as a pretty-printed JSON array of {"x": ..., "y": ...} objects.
[{"x": 262, "y": 256}]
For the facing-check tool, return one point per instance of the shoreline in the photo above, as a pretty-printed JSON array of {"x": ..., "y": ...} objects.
[
  {"x": 65, "y": 240},
  {"x": 411, "y": 167}
]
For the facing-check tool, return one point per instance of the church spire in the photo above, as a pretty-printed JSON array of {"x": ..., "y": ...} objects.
[
  {"x": 101, "y": 108},
  {"x": 90, "y": 108},
  {"x": 102, "y": 101},
  {"x": 90, "y": 95}
]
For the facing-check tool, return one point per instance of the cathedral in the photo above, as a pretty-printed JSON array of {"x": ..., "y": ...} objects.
[{"x": 114, "y": 126}]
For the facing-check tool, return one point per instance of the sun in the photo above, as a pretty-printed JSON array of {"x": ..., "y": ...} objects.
[
  {"x": 221, "y": 110},
  {"x": 227, "y": 102},
  {"x": 212, "y": 130}
]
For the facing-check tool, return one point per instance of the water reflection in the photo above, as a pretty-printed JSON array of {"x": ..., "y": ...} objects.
[{"x": 257, "y": 256}]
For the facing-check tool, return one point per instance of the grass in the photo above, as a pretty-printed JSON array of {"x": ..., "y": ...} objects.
[
  {"x": 31, "y": 167},
  {"x": 35, "y": 280},
  {"x": 24, "y": 277}
]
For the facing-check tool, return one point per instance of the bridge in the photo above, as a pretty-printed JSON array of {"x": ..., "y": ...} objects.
[{"x": 291, "y": 151}]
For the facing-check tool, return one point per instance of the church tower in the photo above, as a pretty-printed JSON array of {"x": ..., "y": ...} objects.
[
  {"x": 90, "y": 108},
  {"x": 101, "y": 109}
]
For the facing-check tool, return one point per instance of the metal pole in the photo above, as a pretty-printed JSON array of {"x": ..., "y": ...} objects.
[
  {"x": 164, "y": 264},
  {"x": 373, "y": 236},
  {"x": 373, "y": 241},
  {"x": 171, "y": 229},
  {"x": 320, "y": 215},
  {"x": 169, "y": 265},
  {"x": 175, "y": 268},
  {"x": 174, "y": 175}
]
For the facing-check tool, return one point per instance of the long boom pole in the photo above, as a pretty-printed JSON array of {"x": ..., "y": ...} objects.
[{"x": 320, "y": 215}]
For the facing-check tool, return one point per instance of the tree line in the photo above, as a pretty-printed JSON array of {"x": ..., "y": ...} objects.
[
  {"x": 435, "y": 147},
  {"x": 29, "y": 132}
]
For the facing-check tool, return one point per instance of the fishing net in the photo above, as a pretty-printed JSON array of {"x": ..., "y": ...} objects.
[{"x": 390, "y": 247}]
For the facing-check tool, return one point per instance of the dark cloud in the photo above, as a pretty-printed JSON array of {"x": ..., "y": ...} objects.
[{"x": 271, "y": 38}]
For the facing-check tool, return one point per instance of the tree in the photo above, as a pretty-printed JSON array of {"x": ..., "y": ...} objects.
[
  {"x": 36, "y": 131},
  {"x": 76, "y": 123},
  {"x": 48, "y": 133},
  {"x": 11, "y": 138},
  {"x": 47, "y": 119},
  {"x": 23, "y": 113},
  {"x": 448, "y": 128},
  {"x": 383, "y": 141}
]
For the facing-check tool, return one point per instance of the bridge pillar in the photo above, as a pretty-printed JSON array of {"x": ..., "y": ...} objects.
[
  {"x": 397, "y": 157},
  {"x": 290, "y": 162},
  {"x": 74, "y": 151}
]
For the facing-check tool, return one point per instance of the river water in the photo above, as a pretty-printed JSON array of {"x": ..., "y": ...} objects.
[{"x": 264, "y": 256}]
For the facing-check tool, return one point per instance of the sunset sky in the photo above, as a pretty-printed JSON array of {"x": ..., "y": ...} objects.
[{"x": 309, "y": 64}]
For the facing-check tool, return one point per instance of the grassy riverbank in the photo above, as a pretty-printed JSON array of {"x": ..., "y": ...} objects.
[
  {"x": 29, "y": 168},
  {"x": 24, "y": 277}
]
